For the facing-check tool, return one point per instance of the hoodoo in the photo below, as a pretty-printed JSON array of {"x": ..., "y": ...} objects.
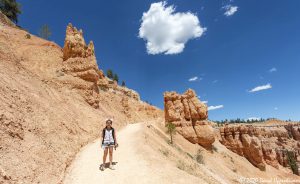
[{"x": 189, "y": 115}]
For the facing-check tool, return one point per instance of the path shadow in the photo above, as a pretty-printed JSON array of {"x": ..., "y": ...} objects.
[{"x": 106, "y": 165}]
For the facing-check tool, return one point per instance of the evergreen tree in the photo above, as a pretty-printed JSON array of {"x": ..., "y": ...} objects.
[
  {"x": 110, "y": 74},
  {"x": 116, "y": 78},
  {"x": 11, "y": 9},
  {"x": 45, "y": 32},
  {"x": 292, "y": 162},
  {"x": 171, "y": 129},
  {"x": 123, "y": 83}
]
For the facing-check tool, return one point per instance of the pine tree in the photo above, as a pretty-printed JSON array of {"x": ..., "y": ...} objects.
[
  {"x": 171, "y": 130},
  {"x": 11, "y": 9},
  {"x": 45, "y": 32},
  {"x": 116, "y": 78},
  {"x": 110, "y": 74},
  {"x": 292, "y": 162},
  {"x": 123, "y": 83}
]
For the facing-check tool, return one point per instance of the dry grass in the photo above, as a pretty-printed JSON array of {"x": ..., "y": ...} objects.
[{"x": 164, "y": 152}]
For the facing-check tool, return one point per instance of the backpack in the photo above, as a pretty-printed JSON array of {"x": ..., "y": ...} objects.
[{"x": 103, "y": 134}]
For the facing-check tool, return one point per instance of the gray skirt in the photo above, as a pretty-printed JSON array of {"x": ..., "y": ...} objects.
[{"x": 107, "y": 145}]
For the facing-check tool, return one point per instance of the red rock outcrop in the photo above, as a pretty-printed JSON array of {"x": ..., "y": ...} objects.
[
  {"x": 189, "y": 115},
  {"x": 75, "y": 45},
  {"x": 126, "y": 108},
  {"x": 262, "y": 145},
  {"x": 79, "y": 58},
  {"x": 293, "y": 131},
  {"x": 80, "y": 61}
]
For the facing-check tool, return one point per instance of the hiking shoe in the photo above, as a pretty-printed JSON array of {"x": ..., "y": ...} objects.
[
  {"x": 111, "y": 167},
  {"x": 101, "y": 167}
]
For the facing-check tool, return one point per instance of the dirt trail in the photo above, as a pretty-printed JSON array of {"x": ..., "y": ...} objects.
[{"x": 131, "y": 167}]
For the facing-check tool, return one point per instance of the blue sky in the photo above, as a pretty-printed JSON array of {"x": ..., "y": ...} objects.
[{"x": 255, "y": 44}]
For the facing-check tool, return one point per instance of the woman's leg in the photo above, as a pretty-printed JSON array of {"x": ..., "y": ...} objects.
[
  {"x": 111, "y": 154},
  {"x": 105, "y": 155}
]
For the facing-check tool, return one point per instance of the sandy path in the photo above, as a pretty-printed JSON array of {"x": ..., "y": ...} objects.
[
  {"x": 85, "y": 168},
  {"x": 131, "y": 166}
]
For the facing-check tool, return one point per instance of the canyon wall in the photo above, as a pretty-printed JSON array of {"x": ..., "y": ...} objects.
[{"x": 263, "y": 145}]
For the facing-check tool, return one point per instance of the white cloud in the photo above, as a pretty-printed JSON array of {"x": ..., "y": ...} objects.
[
  {"x": 205, "y": 101},
  {"x": 166, "y": 31},
  {"x": 273, "y": 70},
  {"x": 194, "y": 79},
  {"x": 275, "y": 108},
  {"x": 253, "y": 118},
  {"x": 215, "y": 107},
  {"x": 259, "y": 88},
  {"x": 215, "y": 81},
  {"x": 230, "y": 10}
]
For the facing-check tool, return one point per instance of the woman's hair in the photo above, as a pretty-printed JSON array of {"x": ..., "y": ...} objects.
[{"x": 109, "y": 121}]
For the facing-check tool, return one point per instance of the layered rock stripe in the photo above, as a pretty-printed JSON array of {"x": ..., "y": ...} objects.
[{"x": 263, "y": 145}]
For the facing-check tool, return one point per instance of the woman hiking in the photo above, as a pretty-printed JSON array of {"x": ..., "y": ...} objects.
[{"x": 109, "y": 141}]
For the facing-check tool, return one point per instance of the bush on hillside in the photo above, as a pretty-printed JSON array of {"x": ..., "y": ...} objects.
[
  {"x": 171, "y": 129},
  {"x": 199, "y": 157},
  {"x": 116, "y": 78},
  {"x": 27, "y": 36},
  {"x": 292, "y": 162},
  {"x": 109, "y": 74}
]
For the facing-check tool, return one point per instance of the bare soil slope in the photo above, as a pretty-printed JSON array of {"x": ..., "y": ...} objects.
[{"x": 43, "y": 121}]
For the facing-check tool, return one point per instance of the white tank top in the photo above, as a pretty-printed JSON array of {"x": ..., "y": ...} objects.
[{"x": 108, "y": 138}]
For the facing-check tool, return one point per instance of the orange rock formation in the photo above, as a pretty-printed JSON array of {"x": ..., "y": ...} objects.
[
  {"x": 189, "y": 115},
  {"x": 262, "y": 145}
]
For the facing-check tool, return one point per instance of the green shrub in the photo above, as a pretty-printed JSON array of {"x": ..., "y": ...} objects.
[
  {"x": 110, "y": 74},
  {"x": 116, "y": 78},
  {"x": 171, "y": 129},
  {"x": 199, "y": 157},
  {"x": 292, "y": 162},
  {"x": 27, "y": 36}
]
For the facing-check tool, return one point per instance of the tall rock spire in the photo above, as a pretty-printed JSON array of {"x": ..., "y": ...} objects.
[{"x": 75, "y": 45}]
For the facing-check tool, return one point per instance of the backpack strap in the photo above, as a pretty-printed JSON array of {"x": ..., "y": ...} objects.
[
  {"x": 103, "y": 135},
  {"x": 113, "y": 134}
]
